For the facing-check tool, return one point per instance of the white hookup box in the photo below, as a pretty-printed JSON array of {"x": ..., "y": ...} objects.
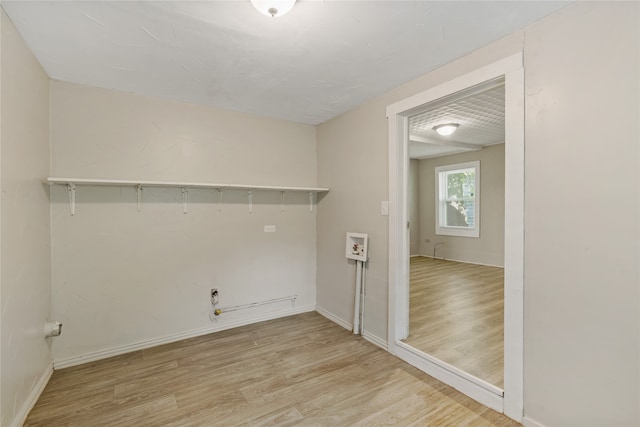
[{"x": 357, "y": 246}]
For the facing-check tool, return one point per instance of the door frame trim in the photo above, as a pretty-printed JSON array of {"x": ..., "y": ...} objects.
[{"x": 512, "y": 69}]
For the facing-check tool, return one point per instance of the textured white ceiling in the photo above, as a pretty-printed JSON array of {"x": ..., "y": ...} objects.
[
  {"x": 321, "y": 59},
  {"x": 480, "y": 114}
]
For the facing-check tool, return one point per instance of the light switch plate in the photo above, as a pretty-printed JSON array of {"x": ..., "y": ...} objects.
[{"x": 384, "y": 208}]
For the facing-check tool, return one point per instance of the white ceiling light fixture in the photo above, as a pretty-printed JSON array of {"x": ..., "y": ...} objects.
[
  {"x": 446, "y": 129},
  {"x": 273, "y": 8}
]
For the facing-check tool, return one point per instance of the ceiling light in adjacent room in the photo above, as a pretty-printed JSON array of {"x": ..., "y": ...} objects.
[
  {"x": 446, "y": 129},
  {"x": 273, "y": 8}
]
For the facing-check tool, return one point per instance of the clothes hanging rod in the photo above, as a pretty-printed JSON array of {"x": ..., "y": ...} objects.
[{"x": 127, "y": 183}]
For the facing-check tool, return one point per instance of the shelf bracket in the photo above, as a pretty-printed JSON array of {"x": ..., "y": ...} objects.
[
  {"x": 220, "y": 193},
  {"x": 139, "y": 194},
  {"x": 310, "y": 201},
  {"x": 185, "y": 199},
  {"x": 250, "y": 201},
  {"x": 282, "y": 201},
  {"x": 71, "y": 188}
]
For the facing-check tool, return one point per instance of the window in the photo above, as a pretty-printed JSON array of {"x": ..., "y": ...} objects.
[{"x": 458, "y": 200}]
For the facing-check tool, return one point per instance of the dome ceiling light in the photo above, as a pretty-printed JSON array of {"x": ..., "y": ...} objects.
[
  {"x": 273, "y": 8},
  {"x": 446, "y": 128}
]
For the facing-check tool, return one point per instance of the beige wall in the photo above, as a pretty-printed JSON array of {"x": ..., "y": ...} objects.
[
  {"x": 582, "y": 217},
  {"x": 123, "y": 278},
  {"x": 353, "y": 161},
  {"x": 489, "y": 247},
  {"x": 413, "y": 190},
  {"x": 25, "y": 281},
  {"x": 582, "y": 325}
]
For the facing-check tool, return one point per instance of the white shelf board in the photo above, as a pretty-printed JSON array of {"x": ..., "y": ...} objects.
[{"x": 126, "y": 183}]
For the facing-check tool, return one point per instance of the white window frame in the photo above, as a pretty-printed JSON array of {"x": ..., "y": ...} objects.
[{"x": 441, "y": 187}]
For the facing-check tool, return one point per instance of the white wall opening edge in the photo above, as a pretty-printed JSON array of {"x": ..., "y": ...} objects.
[{"x": 510, "y": 401}]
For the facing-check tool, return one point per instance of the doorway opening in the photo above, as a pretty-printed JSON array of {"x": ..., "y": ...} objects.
[
  {"x": 509, "y": 397},
  {"x": 456, "y": 231}
]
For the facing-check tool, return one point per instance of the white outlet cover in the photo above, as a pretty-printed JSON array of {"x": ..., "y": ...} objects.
[{"x": 269, "y": 228}]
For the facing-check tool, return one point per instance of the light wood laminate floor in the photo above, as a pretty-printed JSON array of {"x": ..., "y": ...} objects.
[
  {"x": 298, "y": 370},
  {"x": 457, "y": 315}
]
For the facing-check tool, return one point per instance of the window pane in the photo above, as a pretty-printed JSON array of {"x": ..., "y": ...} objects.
[
  {"x": 455, "y": 215},
  {"x": 461, "y": 184},
  {"x": 459, "y": 201},
  {"x": 469, "y": 212},
  {"x": 460, "y": 213},
  {"x": 454, "y": 185}
]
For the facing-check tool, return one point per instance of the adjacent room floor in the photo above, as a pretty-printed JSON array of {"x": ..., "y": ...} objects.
[
  {"x": 298, "y": 370},
  {"x": 457, "y": 315}
]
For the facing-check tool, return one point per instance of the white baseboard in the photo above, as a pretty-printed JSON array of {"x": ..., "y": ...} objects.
[
  {"x": 334, "y": 318},
  {"x": 530, "y": 422},
  {"x": 375, "y": 340},
  {"x": 37, "y": 390},
  {"x": 366, "y": 335},
  {"x": 458, "y": 260},
  {"x": 220, "y": 326},
  {"x": 479, "y": 390}
]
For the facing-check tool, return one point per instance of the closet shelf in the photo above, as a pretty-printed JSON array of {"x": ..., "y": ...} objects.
[
  {"x": 122, "y": 183},
  {"x": 184, "y": 186}
]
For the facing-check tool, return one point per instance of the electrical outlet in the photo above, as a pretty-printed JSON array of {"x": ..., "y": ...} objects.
[{"x": 214, "y": 296}]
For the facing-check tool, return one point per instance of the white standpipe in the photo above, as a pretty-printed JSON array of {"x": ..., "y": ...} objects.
[
  {"x": 358, "y": 297},
  {"x": 363, "y": 295},
  {"x": 357, "y": 250}
]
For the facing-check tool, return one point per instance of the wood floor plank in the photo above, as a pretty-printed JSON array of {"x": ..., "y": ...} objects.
[
  {"x": 456, "y": 314},
  {"x": 301, "y": 370}
]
